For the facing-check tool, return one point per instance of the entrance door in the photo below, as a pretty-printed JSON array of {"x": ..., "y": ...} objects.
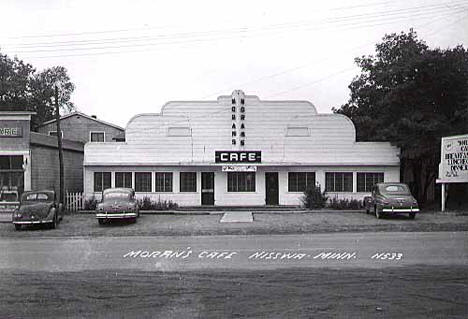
[
  {"x": 207, "y": 188},
  {"x": 271, "y": 188}
]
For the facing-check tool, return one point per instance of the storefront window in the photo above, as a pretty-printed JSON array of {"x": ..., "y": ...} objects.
[
  {"x": 143, "y": 182},
  {"x": 163, "y": 182},
  {"x": 102, "y": 181},
  {"x": 241, "y": 182},
  {"x": 338, "y": 182},
  {"x": 123, "y": 179},
  {"x": 188, "y": 181},
  {"x": 299, "y": 181},
  {"x": 11, "y": 172},
  {"x": 365, "y": 181}
]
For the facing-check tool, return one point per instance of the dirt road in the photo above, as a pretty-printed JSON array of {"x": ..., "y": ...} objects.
[{"x": 402, "y": 292}]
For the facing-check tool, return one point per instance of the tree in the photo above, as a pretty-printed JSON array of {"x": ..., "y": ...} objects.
[
  {"x": 411, "y": 95},
  {"x": 24, "y": 89}
]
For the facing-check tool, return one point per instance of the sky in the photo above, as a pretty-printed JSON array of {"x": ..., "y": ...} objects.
[{"x": 131, "y": 57}]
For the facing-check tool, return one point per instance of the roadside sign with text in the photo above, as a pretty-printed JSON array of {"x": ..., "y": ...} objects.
[{"x": 453, "y": 165}]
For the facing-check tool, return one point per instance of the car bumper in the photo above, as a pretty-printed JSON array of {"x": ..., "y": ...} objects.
[
  {"x": 115, "y": 215},
  {"x": 32, "y": 222},
  {"x": 400, "y": 210}
]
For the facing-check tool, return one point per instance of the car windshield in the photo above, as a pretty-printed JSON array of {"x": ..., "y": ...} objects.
[
  {"x": 8, "y": 197},
  {"x": 395, "y": 189},
  {"x": 116, "y": 195},
  {"x": 40, "y": 197}
]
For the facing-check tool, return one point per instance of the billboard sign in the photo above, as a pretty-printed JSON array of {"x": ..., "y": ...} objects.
[{"x": 453, "y": 167}]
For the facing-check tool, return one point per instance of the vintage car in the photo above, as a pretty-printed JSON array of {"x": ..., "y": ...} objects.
[
  {"x": 391, "y": 198},
  {"x": 117, "y": 203},
  {"x": 9, "y": 200},
  {"x": 38, "y": 207}
]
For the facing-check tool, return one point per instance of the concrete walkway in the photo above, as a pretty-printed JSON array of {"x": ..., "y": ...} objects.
[{"x": 237, "y": 217}]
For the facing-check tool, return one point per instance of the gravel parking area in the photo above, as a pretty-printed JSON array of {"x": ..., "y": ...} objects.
[{"x": 83, "y": 225}]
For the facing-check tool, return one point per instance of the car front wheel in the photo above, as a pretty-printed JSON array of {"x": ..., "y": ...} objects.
[
  {"x": 412, "y": 215},
  {"x": 53, "y": 224},
  {"x": 101, "y": 221},
  {"x": 17, "y": 227},
  {"x": 378, "y": 213}
]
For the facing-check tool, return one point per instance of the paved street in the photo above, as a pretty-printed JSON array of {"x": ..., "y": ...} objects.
[
  {"x": 368, "y": 250},
  {"x": 340, "y": 275}
]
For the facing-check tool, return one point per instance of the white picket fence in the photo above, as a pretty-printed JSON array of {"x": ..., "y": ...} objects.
[{"x": 74, "y": 201}]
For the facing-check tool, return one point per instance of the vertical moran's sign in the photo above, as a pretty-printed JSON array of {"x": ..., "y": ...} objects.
[
  {"x": 453, "y": 165},
  {"x": 238, "y": 156},
  {"x": 11, "y": 132}
]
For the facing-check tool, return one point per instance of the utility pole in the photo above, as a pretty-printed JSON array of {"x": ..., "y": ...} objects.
[{"x": 59, "y": 140}]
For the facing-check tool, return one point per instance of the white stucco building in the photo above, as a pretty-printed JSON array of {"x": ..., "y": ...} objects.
[{"x": 239, "y": 151}]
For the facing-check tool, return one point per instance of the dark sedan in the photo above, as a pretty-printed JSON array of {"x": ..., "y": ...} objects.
[
  {"x": 391, "y": 198},
  {"x": 38, "y": 207},
  {"x": 117, "y": 203}
]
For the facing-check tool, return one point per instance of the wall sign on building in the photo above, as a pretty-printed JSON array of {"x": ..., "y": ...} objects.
[
  {"x": 239, "y": 168},
  {"x": 11, "y": 132},
  {"x": 453, "y": 167},
  {"x": 238, "y": 156}
]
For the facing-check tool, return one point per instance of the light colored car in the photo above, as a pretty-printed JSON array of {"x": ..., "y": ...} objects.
[
  {"x": 38, "y": 207},
  {"x": 117, "y": 203},
  {"x": 391, "y": 198}
]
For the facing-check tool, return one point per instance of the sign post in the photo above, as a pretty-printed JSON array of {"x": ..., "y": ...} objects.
[{"x": 453, "y": 167}]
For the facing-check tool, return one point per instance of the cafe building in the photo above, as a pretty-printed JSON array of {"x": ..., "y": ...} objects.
[{"x": 239, "y": 151}]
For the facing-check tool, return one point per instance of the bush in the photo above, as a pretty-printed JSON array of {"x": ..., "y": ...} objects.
[
  {"x": 90, "y": 204},
  {"x": 147, "y": 204},
  {"x": 314, "y": 198},
  {"x": 336, "y": 203}
]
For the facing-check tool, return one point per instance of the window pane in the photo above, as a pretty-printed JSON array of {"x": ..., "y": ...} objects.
[
  {"x": 188, "y": 182},
  {"x": 361, "y": 182},
  {"x": 123, "y": 179},
  {"x": 4, "y": 162},
  {"x": 292, "y": 182},
  {"x": 16, "y": 162},
  {"x": 329, "y": 182},
  {"x": 241, "y": 182},
  {"x": 163, "y": 182},
  {"x": 347, "y": 182},
  {"x": 168, "y": 182},
  {"x": 143, "y": 182},
  {"x": 97, "y": 136},
  {"x": 310, "y": 182},
  {"x": 97, "y": 181}
]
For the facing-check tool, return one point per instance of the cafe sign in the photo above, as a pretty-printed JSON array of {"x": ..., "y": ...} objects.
[
  {"x": 11, "y": 132},
  {"x": 239, "y": 168},
  {"x": 453, "y": 165},
  {"x": 238, "y": 156}
]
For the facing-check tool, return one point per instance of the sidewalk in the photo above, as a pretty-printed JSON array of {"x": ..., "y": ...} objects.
[{"x": 84, "y": 225}]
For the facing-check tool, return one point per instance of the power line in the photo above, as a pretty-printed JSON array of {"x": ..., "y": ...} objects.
[{"x": 216, "y": 35}]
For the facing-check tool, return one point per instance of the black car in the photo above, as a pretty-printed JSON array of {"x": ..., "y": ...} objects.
[{"x": 38, "y": 207}]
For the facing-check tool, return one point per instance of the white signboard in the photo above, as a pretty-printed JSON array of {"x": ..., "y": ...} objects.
[
  {"x": 453, "y": 167},
  {"x": 239, "y": 168}
]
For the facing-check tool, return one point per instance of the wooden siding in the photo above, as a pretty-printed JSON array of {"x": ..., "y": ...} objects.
[
  {"x": 331, "y": 140},
  {"x": 77, "y": 128},
  {"x": 45, "y": 169}
]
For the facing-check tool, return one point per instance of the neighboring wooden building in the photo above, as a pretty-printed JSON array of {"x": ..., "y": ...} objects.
[
  {"x": 29, "y": 160},
  {"x": 239, "y": 151},
  {"x": 83, "y": 128}
]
